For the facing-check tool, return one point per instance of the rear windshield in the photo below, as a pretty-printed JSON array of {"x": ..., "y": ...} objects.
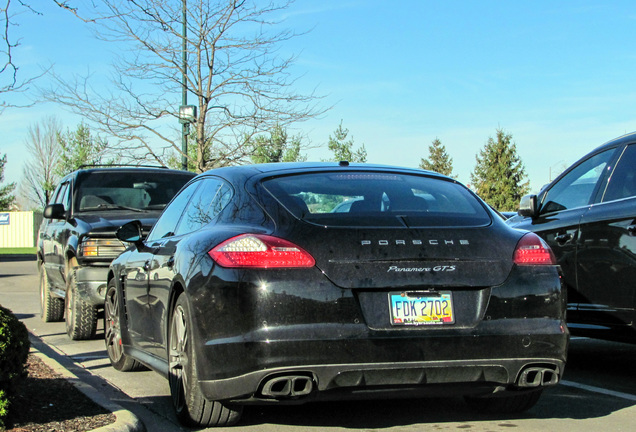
[
  {"x": 130, "y": 189},
  {"x": 377, "y": 199}
]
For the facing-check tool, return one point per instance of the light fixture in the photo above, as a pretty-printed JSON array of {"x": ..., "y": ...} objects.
[{"x": 187, "y": 114}]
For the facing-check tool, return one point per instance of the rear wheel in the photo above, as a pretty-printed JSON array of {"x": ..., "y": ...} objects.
[
  {"x": 112, "y": 333},
  {"x": 51, "y": 308},
  {"x": 192, "y": 408},
  {"x": 81, "y": 317},
  {"x": 510, "y": 403}
]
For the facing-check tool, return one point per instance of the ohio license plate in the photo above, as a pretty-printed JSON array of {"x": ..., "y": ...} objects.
[{"x": 421, "y": 308}]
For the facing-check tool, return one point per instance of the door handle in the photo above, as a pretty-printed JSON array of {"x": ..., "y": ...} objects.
[{"x": 564, "y": 238}]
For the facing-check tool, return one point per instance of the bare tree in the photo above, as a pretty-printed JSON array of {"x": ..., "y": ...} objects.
[
  {"x": 240, "y": 84},
  {"x": 39, "y": 173},
  {"x": 11, "y": 80}
]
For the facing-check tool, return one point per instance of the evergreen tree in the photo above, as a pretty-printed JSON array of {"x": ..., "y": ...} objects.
[
  {"x": 343, "y": 149},
  {"x": 6, "y": 192},
  {"x": 277, "y": 147},
  {"x": 175, "y": 160},
  {"x": 438, "y": 160},
  {"x": 80, "y": 148},
  {"x": 499, "y": 177}
]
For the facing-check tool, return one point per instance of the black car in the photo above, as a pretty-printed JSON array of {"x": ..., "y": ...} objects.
[
  {"x": 588, "y": 217},
  {"x": 77, "y": 240},
  {"x": 250, "y": 289}
]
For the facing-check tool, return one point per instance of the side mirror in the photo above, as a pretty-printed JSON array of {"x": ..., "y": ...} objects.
[
  {"x": 55, "y": 211},
  {"x": 130, "y": 232},
  {"x": 528, "y": 206}
]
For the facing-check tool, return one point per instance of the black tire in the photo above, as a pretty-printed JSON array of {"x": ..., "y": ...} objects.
[
  {"x": 509, "y": 403},
  {"x": 192, "y": 408},
  {"x": 81, "y": 317},
  {"x": 112, "y": 333},
  {"x": 51, "y": 308}
]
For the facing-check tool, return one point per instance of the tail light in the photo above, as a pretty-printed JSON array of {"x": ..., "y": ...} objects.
[
  {"x": 532, "y": 250},
  {"x": 260, "y": 251}
]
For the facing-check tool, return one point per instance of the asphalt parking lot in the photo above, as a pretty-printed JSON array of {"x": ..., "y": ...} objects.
[{"x": 598, "y": 391}]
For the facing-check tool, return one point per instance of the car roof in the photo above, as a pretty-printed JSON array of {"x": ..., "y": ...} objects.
[
  {"x": 131, "y": 168},
  {"x": 279, "y": 168},
  {"x": 623, "y": 139},
  {"x": 115, "y": 168}
]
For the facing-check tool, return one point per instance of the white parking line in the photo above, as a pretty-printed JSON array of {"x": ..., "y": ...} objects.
[{"x": 627, "y": 396}]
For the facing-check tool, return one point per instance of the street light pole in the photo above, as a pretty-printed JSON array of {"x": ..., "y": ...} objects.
[{"x": 184, "y": 92}]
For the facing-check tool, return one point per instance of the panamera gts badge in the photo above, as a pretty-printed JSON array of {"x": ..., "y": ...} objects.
[{"x": 439, "y": 268}]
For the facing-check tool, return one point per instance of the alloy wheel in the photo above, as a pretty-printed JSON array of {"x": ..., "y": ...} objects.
[
  {"x": 178, "y": 357},
  {"x": 112, "y": 328}
]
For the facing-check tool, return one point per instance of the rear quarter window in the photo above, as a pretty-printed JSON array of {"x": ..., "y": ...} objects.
[{"x": 366, "y": 199}]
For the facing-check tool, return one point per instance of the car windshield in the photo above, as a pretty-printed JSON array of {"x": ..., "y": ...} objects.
[
  {"x": 127, "y": 190},
  {"x": 359, "y": 198}
]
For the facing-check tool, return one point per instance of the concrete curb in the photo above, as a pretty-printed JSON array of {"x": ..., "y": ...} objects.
[
  {"x": 125, "y": 421},
  {"x": 17, "y": 257}
]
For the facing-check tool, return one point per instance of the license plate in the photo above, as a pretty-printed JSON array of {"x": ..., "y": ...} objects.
[{"x": 412, "y": 309}]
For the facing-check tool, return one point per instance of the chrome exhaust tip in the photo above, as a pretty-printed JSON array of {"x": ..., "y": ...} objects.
[
  {"x": 537, "y": 377},
  {"x": 288, "y": 386}
]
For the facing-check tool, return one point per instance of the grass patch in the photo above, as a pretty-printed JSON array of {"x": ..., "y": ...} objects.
[{"x": 18, "y": 251}]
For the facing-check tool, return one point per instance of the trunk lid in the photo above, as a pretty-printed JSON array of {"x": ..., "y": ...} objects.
[{"x": 410, "y": 258}]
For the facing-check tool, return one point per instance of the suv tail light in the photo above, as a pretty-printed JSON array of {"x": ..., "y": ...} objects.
[
  {"x": 260, "y": 251},
  {"x": 532, "y": 250}
]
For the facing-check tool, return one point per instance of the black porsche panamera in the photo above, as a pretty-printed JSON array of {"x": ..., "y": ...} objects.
[{"x": 250, "y": 289}]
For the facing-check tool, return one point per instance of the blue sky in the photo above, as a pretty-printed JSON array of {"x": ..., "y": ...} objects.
[{"x": 559, "y": 76}]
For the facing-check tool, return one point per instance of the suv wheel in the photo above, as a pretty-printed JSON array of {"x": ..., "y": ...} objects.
[
  {"x": 51, "y": 308},
  {"x": 81, "y": 317}
]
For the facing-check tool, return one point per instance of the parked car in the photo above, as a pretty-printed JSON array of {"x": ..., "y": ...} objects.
[
  {"x": 588, "y": 217},
  {"x": 249, "y": 289},
  {"x": 76, "y": 241}
]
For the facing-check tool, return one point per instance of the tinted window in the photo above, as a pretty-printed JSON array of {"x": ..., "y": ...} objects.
[
  {"x": 358, "y": 198},
  {"x": 208, "y": 201},
  {"x": 622, "y": 183},
  {"x": 66, "y": 196},
  {"x": 62, "y": 195},
  {"x": 575, "y": 189},
  {"x": 131, "y": 188},
  {"x": 167, "y": 223}
]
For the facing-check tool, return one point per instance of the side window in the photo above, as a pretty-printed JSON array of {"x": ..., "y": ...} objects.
[
  {"x": 575, "y": 189},
  {"x": 62, "y": 195},
  {"x": 53, "y": 197},
  {"x": 169, "y": 219},
  {"x": 66, "y": 196},
  {"x": 622, "y": 183},
  {"x": 206, "y": 203}
]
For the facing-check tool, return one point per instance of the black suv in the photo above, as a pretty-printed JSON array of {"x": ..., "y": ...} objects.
[
  {"x": 77, "y": 237},
  {"x": 588, "y": 217}
]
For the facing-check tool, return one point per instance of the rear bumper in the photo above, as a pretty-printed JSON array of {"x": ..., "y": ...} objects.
[
  {"x": 377, "y": 364},
  {"x": 362, "y": 380},
  {"x": 254, "y": 331}
]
